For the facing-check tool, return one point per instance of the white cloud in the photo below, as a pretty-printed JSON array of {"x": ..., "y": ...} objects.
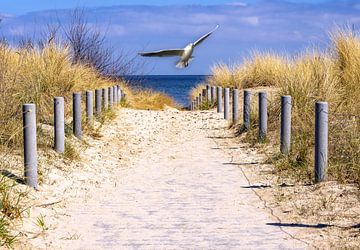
[
  {"x": 210, "y": 18},
  {"x": 6, "y": 15},
  {"x": 240, "y": 4},
  {"x": 252, "y": 20},
  {"x": 265, "y": 25}
]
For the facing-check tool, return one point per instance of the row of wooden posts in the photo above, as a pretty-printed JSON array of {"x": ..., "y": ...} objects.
[
  {"x": 104, "y": 99},
  {"x": 216, "y": 95}
]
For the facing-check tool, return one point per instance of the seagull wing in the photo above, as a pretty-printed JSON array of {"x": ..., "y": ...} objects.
[
  {"x": 161, "y": 53},
  {"x": 201, "y": 39}
]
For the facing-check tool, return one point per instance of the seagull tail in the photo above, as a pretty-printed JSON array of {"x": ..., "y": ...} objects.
[
  {"x": 180, "y": 64},
  {"x": 183, "y": 64}
]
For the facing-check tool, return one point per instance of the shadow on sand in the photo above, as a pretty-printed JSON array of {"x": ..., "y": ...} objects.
[
  {"x": 221, "y": 137},
  {"x": 241, "y": 163},
  {"x": 318, "y": 226},
  {"x": 12, "y": 176}
]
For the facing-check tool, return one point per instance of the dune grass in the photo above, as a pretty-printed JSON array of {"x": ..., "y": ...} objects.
[
  {"x": 141, "y": 98},
  {"x": 37, "y": 75},
  {"x": 195, "y": 91},
  {"x": 30, "y": 75},
  {"x": 331, "y": 76}
]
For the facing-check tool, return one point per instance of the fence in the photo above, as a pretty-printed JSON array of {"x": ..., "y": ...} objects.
[
  {"x": 114, "y": 94},
  {"x": 321, "y": 122}
]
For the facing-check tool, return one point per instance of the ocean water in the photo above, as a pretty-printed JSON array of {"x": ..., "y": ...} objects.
[{"x": 176, "y": 86}]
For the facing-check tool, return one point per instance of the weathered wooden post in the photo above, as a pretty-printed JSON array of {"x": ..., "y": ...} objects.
[
  {"x": 227, "y": 104},
  {"x": 213, "y": 94},
  {"x": 197, "y": 102},
  {"x": 30, "y": 145},
  {"x": 59, "y": 126},
  {"x": 114, "y": 95},
  {"x": 246, "y": 114},
  {"x": 204, "y": 96},
  {"x": 106, "y": 98},
  {"x": 89, "y": 106},
  {"x": 111, "y": 99},
  {"x": 235, "y": 105},
  {"x": 321, "y": 140},
  {"x": 200, "y": 101},
  {"x": 208, "y": 93},
  {"x": 77, "y": 115},
  {"x": 285, "y": 133},
  {"x": 219, "y": 99},
  {"x": 98, "y": 101},
  {"x": 262, "y": 115},
  {"x": 119, "y": 93}
]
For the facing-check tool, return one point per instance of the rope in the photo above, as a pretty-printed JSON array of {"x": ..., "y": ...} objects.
[{"x": 13, "y": 117}]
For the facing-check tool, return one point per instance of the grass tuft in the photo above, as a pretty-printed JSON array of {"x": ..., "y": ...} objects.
[
  {"x": 331, "y": 76},
  {"x": 148, "y": 99}
]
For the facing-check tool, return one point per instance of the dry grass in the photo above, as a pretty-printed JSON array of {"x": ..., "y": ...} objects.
[
  {"x": 222, "y": 75},
  {"x": 148, "y": 99},
  {"x": 261, "y": 70},
  {"x": 197, "y": 90},
  {"x": 10, "y": 208},
  {"x": 205, "y": 104},
  {"x": 32, "y": 75},
  {"x": 331, "y": 76},
  {"x": 37, "y": 75}
]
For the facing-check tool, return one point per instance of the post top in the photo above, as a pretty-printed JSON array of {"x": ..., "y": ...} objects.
[
  {"x": 321, "y": 103},
  {"x": 29, "y": 104}
]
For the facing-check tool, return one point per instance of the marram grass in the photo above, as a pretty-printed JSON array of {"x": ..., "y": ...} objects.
[
  {"x": 331, "y": 76},
  {"x": 34, "y": 75}
]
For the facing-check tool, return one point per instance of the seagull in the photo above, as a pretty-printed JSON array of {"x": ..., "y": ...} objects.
[{"x": 185, "y": 53}]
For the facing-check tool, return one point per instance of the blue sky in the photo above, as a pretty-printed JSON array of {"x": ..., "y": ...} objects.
[
  {"x": 22, "y": 6},
  {"x": 266, "y": 25}
]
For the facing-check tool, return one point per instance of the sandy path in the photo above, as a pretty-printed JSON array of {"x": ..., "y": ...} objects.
[{"x": 180, "y": 191}]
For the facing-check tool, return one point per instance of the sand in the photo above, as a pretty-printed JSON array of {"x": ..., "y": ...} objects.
[{"x": 161, "y": 180}]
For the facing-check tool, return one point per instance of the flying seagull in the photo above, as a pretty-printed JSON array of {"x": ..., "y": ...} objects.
[{"x": 185, "y": 53}]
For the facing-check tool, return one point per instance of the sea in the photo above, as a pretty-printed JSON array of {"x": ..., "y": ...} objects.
[{"x": 176, "y": 86}]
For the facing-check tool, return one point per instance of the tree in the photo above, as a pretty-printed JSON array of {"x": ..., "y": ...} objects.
[{"x": 89, "y": 46}]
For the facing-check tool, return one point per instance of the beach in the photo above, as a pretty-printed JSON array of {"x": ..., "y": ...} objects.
[{"x": 163, "y": 179}]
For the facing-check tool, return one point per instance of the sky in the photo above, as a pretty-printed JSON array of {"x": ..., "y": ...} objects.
[
  {"x": 22, "y": 6},
  {"x": 281, "y": 26}
]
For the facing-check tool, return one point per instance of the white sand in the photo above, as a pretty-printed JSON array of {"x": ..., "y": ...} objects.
[{"x": 154, "y": 180}]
